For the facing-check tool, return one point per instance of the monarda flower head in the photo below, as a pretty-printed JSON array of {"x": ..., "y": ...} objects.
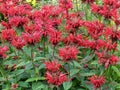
[
  {"x": 55, "y": 37},
  {"x": 97, "y": 81},
  {"x": 18, "y": 42},
  {"x": 68, "y": 53},
  {"x": 3, "y": 51},
  {"x": 52, "y": 66},
  {"x": 95, "y": 28},
  {"x": 56, "y": 78},
  {"x": 32, "y": 38},
  {"x": 65, "y": 4},
  {"x": 8, "y": 34},
  {"x": 107, "y": 60}
]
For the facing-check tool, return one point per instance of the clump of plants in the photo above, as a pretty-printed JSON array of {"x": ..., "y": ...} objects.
[{"x": 60, "y": 47}]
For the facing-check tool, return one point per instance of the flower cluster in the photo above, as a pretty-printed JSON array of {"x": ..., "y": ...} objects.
[
  {"x": 97, "y": 81},
  {"x": 3, "y": 50},
  {"x": 53, "y": 74},
  {"x": 68, "y": 53},
  {"x": 69, "y": 34}
]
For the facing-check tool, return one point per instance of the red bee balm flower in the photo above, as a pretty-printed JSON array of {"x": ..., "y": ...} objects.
[
  {"x": 2, "y": 51},
  {"x": 56, "y": 78},
  {"x": 97, "y": 81},
  {"x": 8, "y": 34},
  {"x": 55, "y": 37},
  {"x": 68, "y": 53},
  {"x": 32, "y": 38},
  {"x": 52, "y": 66},
  {"x": 18, "y": 42}
]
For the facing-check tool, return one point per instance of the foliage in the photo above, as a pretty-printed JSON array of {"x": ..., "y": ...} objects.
[{"x": 62, "y": 45}]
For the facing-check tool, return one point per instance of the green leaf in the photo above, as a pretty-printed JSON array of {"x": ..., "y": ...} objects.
[
  {"x": 115, "y": 69},
  {"x": 76, "y": 64},
  {"x": 74, "y": 71},
  {"x": 18, "y": 72},
  {"x": 67, "y": 85},
  {"x": 35, "y": 79},
  {"x": 23, "y": 84},
  {"x": 39, "y": 86},
  {"x": 87, "y": 74},
  {"x": 22, "y": 63},
  {"x": 117, "y": 86}
]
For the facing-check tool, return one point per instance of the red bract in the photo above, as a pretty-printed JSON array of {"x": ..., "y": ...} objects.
[
  {"x": 74, "y": 39},
  {"x": 56, "y": 78},
  {"x": 107, "y": 60},
  {"x": 6, "y": 25},
  {"x": 97, "y": 81},
  {"x": 55, "y": 37},
  {"x": 115, "y": 35},
  {"x": 32, "y": 38},
  {"x": 68, "y": 53},
  {"x": 8, "y": 34},
  {"x": 18, "y": 21},
  {"x": 3, "y": 50},
  {"x": 18, "y": 42},
  {"x": 95, "y": 45},
  {"x": 52, "y": 66},
  {"x": 108, "y": 32},
  {"x": 65, "y": 4},
  {"x": 73, "y": 24},
  {"x": 95, "y": 29},
  {"x": 111, "y": 45},
  {"x": 109, "y": 10}
]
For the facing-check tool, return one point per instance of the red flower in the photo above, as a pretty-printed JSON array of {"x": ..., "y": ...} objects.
[
  {"x": 68, "y": 53},
  {"x": 55, "y": 37},
  {"x": 95, "y": 8},
  {"x": 52, "y": 66},
  {"x": 32, "y": 38},
  {"x": 14, "y": 86},
  {"x": 95, "y": 29},
  {"x": 97, "y": 81},
  {"x": 115, "y": 35},
  {"x": 3, "y": 50},
  {"x": 65, "y": 4},
  {"x": 73, "y": 24},
  {"x": 6, "y": 24},
  {"x": 8, "y": 34},
  {"x": 18, "y": 42},
  {"x": 56, "y": 78},
  {"x": 17, "y": 21},
  {"x": 108, "y": 32},
  {"x": 107, "y": 60}
]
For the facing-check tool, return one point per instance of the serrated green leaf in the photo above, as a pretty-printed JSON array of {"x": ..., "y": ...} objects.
[
  {"x": 87, "y": 74},
  {"x": 74, "y": 71},
  {"x": 115, "y": 69},
  {"x": 67, "y": 85},
  {"x": 23, "y": 84},
  {"x": 76, "y": 64},
  {"x": 35, "y": 79}
]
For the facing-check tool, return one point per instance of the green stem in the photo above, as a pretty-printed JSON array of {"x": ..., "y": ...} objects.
[
  {"x": 77, "y": 5},
  {"x": 54, "y": 52},
  {"x": 69, "y": 69},
  {"x": 44, "y": 46},
  {"x": 32, "y": 60},
  {"x": 2, "y": 71}
]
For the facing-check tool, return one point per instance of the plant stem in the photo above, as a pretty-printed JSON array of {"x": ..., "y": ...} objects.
[
  {"x": 77, "y": 5},
  {"x": 69, "y": 69}
]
